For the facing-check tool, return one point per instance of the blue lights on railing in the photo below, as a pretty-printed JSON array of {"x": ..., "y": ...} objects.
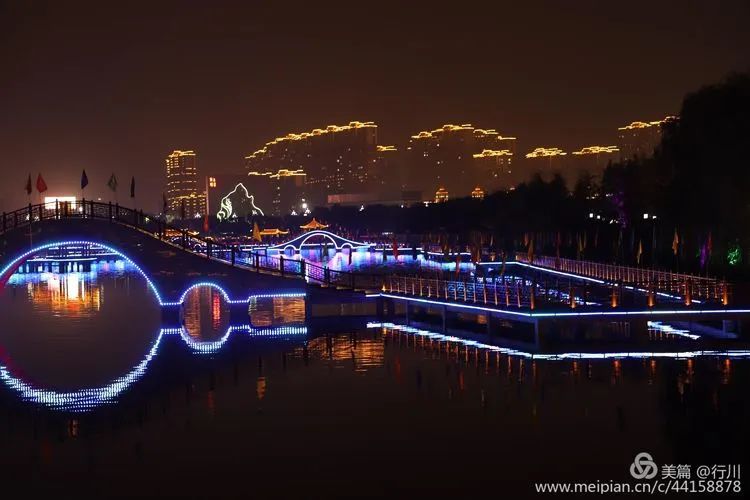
[
  {"x": 87, "y": 399},
  {"x": 18, "y": 260},
  {"x": 564, "y": 314},
  {"x": 23, "y": 257}
]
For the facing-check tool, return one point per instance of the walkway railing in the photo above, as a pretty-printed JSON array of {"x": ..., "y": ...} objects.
[
  {"x": 685, "y": 286},
  {"x": 180, "y": 237},
  {"x": 508, "y": 291}
]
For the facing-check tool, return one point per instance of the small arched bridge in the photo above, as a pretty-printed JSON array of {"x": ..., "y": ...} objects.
[
  {"x": 301, "y": 241},
  {"x": 166, "y": 256}
]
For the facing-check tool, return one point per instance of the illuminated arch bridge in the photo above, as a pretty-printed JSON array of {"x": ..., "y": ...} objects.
[{"x": 302, "y": 241}]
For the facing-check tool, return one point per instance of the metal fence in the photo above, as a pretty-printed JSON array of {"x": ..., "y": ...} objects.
[{"x": 684, "y": 286}]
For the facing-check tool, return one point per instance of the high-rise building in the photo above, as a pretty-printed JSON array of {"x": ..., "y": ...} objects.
[
  {"x": 288, "y": 188},
  {"x": 459, "y": 157},
  {"x": 639, "y": 139},
  {"x": 338, "y": 159},
  {"x": 591, "y": 159},
  {"x": 387, "y": 176},
  {"x": 183, "y": 196},
  {"x": 544, "y": 161}
]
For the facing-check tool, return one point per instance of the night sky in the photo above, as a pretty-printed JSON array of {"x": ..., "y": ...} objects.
[{"x": 114, "y": 87}]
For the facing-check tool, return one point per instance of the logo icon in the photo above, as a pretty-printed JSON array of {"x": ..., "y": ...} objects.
[{"x": 643, "y": 467}]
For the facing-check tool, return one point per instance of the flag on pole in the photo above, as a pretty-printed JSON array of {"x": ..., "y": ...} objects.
[
  {"x": 112, "y": 183},
  {"x": 675, "y": 242},
  {"x": 41, "y": 186},
  {"x": 256, "y": 232},
  {"x": 640, "y": 252},
  {"x": 394, "y": 246},
  {"x": 84, "y": 179},
  {"x": 132, "y": 187},
  {"x": 28, "y": 187},
  {"x": 164, "y": 203},
  {"x": 709, "y": 245},
  {"x": 530, "y": 251}
]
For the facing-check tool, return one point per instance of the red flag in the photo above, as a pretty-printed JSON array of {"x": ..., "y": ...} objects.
[
  {"x": 395, "y": 248},
  {"x": 458, "y": 262},
  {"x": 41, "y": 186}
]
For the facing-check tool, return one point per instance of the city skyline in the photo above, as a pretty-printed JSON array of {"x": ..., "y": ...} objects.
[{"x": 250, "y": 73}]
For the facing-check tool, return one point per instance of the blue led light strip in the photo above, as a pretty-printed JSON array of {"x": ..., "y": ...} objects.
[
  {"x": 18, "y": 260},
  {"x": 87, "y": 399},
  {"x": 730, "y": 353},
  {"x": 609, "y": 313}
]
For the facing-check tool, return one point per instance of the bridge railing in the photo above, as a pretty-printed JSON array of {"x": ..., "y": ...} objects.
[
  {"x": 158, "y": 228},
  {"x": 618, "y": 278},
  {"x": 504, "y": 292},
  {"x": 686, "y": 286}
]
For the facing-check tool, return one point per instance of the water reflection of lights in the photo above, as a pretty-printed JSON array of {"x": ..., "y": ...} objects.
[
  {"x": 660, "y": 327},
  {"x": 729, "y": 353},
  {"x": 282, "y": 310},
  {"x": 17, "y": 261},
  {"x": 87, "y": 399},
  {"x": 347, "y": 351},
  {"x": 75, "y": 294}
]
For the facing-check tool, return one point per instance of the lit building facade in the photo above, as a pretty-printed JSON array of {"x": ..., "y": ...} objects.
[
  {"x": 337, "y": 159},
  {"x": 288, "y": 188},
  {"x": 590, "y": 159},
  {"x": 545, "y": 161},
  {"x": 639, "y": 139},
  {"x": 183, "y": 196},
  {"x": 459, "y": 157}
]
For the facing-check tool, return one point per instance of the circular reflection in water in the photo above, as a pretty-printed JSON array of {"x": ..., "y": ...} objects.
[
  {"x": 205, "y": 314},
  {"x": 67, "y": 327}
]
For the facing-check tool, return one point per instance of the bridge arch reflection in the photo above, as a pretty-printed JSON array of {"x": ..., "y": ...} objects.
[{"x": 87, "y": 399}]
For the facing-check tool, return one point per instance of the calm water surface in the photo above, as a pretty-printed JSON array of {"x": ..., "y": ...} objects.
[{"x": 101, "y": 396}]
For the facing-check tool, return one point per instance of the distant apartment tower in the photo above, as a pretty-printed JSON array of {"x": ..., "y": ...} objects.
[
  {"x": 288, "y": 188},
  {"x": 544, "y": 161},
  {"x": 183, "y": 196},
  {"x": 591, "y": 160},
  {"x": 338, "y": 159},
  {"x": 458, "y": 158},
  {"x": 639, "y": 139}
]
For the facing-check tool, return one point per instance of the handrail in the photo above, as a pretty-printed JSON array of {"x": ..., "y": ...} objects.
[
  {"x": 685, "y": 285},
  {"x": 158, "y": 228},
  {"x": 529, "y": 294}
]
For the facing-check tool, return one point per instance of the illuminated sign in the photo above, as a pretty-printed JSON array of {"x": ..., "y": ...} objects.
[{"x": 227, "y": 210}]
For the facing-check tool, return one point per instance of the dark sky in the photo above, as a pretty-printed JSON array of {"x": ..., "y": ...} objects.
[{"x": 115, "y": 86}]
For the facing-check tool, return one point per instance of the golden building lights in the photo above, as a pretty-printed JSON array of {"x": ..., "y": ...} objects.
[
  {"x": 593, "y": 150},
  {"x": 330, "y": 129},
  {"x": 182, "y": 185},
  {"x": 545, "y": 152},
  {"x": 477, "y": 193},
  {"x": 441, "y": 195},
  {"x": 642, "y": 125},
  {"x": 491, "y": 153}
]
